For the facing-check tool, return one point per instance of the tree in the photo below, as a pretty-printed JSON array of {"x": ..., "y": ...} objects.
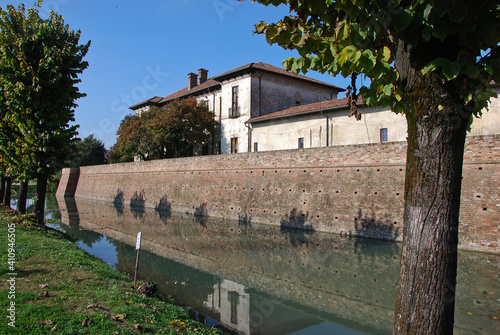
[
  {"x": 432, "y": 61},
  {"x": 174, "y": 130},
  {"x": 180, "y": 126},
  {"x": 89, "y": 151},
  {"x": 39, "y": 67}
]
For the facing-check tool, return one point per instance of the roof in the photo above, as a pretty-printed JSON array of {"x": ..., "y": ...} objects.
[
  {"x": 251, "y": 67},
  {"x": 151, "y": 101},
  {"x": 216, "y": 81},
  {"x": 210, "y": 83},
  {"x": 305, "y": 109}
]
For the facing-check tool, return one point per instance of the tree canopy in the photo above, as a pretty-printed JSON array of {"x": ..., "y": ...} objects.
[
  {"x": 89, "y": 151},
  {"x": 40, "y": 61},
  {"x": 434, "y": 62},
  {"x": 457, "y": 40},
  {"x": 174, "y": 130}
]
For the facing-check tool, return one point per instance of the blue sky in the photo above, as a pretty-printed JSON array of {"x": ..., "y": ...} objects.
[{"x": 141, "y": 49}]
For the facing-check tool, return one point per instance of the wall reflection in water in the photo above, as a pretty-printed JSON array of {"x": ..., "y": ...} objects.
[{"x": 258, "y": 279}]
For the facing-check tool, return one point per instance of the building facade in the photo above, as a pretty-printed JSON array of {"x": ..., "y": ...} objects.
[
  {"x": 261, "y": 107},
  {"x": 247, "y": 92}
]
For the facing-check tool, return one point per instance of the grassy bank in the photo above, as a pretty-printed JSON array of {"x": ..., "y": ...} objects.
[{"x": 60, "y": 289}]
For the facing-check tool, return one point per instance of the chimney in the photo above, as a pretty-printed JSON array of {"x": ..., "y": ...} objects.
[
  {"x": 202, "y": 75},
  {"x": 192, "y": 80}
]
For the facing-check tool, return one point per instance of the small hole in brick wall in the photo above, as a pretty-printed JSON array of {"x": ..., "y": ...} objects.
[
  {"x": 397, "y": 193},
  {"x": 289, "y": 171},
  {"x": 357, "y": 170},
  {"x": 251, "y": 171},
  {"x": 478, "y": 196},
  {"x": 336, "y": 191},
  {"x": 378, "y": 170},
  {"x": 290, "y": 190},
  {"x": 303, "y": 190},
  {"x": 305, "y": 170},
  {"x": 395, "y": 223},
  {"x": 338, "y": 170},
  {"x": 479, "y": 168},
  {"x": 336, "y": 217},
  {"x": 356, "y": 192},
  {"x": 400, "y": 170},
  {"x": 319, "y": 191},
  {"x": 376, "y": 192},
  {"x": 274, "y": 212},
  {"x": 320, "y": 170},
  {"x": 276, "y": 171},
  {"x": 317, "y": 216},
  {"x": 484, "y": 208}
]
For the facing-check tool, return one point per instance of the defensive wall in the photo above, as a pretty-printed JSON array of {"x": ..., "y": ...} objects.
[{"x": 355, "y": 190}]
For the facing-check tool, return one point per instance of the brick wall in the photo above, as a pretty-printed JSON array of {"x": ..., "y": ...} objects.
[{"x": 351, "y": 190}]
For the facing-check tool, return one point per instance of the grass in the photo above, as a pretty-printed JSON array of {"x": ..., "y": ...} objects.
[{"x": 61, "y": 289}]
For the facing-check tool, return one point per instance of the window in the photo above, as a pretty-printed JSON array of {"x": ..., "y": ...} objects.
[
  {"x": 301, "y": 143},
  {"x": 205, "y": 103},
  {"x": 383, "y": 135},
  {"x": 255, "y": 146},
  {"x": 234, "y": 105},
  {"x": 234, "y": 145}
]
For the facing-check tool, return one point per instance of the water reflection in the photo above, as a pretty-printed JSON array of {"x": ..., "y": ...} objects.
[{"x": 259, "y": 279}]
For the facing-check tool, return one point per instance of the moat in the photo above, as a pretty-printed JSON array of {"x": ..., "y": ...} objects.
[{"x": 259, "y": 279}]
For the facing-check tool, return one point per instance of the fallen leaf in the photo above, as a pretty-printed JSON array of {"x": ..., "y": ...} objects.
[
  {"x": 46, "y": 322},
  {"x": 469, "y": 313},
  {"x": 44, "y": 294},
  {"x": 138, "y": 327},
  {"x": 44, "y": 285},
  {"x": 92, "y": 306},
  {"x": 87, "y": 321},
  {"x": 142, "y": 305},
  {"x": 119, "y": 317},
  {"x": 54, "y": 329},
  {"x": 129, "y": 302}
]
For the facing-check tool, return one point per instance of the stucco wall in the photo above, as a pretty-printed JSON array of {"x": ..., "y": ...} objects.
[
  {"x": 351, "y": 190},
  {"x": 283, "y": 133},
  {"x": 271, "y": 93}
]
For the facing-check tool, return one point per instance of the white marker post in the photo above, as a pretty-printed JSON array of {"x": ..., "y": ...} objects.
[{"x": 138, "y": 248}]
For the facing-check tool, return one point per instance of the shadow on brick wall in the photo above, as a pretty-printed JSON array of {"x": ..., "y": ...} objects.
[
  {"x": 137, "y": 205},
  {"x": 118, "y": 202},
  {"x": 294, "y": 225},
  {"x": 366, "y": 225},
  {"x": 201, "y": 214},
  {"x": 163, "y": 209}
]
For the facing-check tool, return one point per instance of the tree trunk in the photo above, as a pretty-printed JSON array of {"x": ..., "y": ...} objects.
[
  {"x": 22, "y": 197},
  {"x": 2, "y": 188},
  {"x": 41, "y": 191},
  {"x": 437, "y": 126},
  {"x": 7, "y": 192}
]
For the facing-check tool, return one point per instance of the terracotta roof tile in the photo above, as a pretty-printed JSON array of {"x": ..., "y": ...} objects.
[
  {"x": 214, "y": 81},
  {"x": 273, "y": 69},
  {"x": 185, "y": 91},
  {"x": 151, "y": 101},
  {"x": 306, "y": 109}
]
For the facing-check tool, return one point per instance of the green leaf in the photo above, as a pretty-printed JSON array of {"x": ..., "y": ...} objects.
[
  {"x": 402, "y": 20},
  {"x": 450, "y": 69},
  {"x": 384, "y": 54},
  {"x": 458, "y": 12},
  {"x": 367, "y": 60}
]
